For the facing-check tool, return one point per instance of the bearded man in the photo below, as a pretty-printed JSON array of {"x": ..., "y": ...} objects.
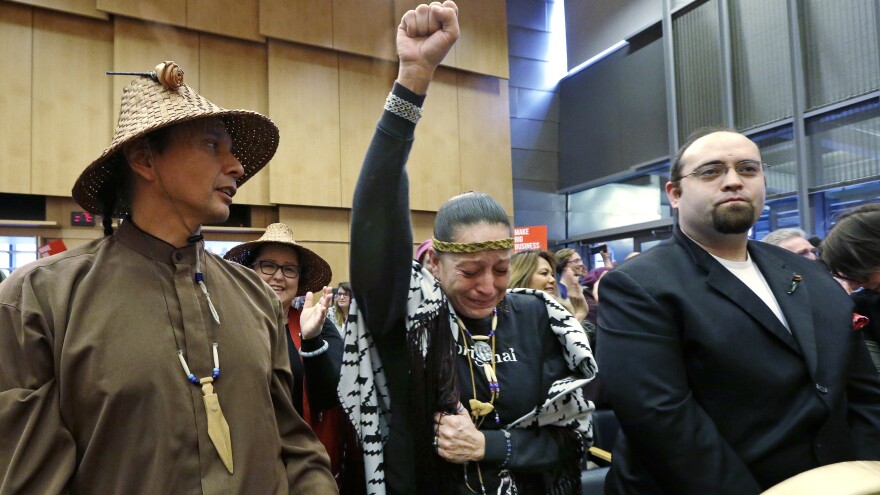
[{"x": 731, "y": 364}]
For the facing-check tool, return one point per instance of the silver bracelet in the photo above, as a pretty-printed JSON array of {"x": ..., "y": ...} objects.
[
  {"x": 316, "y": 352},
  {"x": 402, "y": 108}
]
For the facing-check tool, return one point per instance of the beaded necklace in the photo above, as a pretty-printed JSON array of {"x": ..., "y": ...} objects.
[
  {"x": 218, "y": 428},
  {"x": 484, "y": 354},
  {"x": 199, "y": 279}
]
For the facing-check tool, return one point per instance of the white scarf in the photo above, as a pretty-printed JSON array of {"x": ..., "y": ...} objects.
[{"x": 363, "y": 388}]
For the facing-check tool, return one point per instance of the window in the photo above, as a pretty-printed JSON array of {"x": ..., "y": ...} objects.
[
  {"x": 777, "y": 149},
  {"x": 220, "y": 247},
  {"x": 16, "y": 252},
  {"x": 844, "y": 144},
  {"x": 778, "y": 214},
  {"x": 630, "y": 201},
  {"x": 830, "y": 204}
]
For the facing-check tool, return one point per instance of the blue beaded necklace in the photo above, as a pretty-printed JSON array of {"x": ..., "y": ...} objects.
[
  {"x": 218, "y": 428},
  {"x": 484, "y": 355},
  {"x": 199, "y": 279}
]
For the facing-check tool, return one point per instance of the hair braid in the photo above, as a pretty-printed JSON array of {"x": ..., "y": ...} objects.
[{"x": 107, "y": 220}]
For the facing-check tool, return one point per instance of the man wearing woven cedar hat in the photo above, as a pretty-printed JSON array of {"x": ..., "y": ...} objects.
[{"x": 140, "y": 363}]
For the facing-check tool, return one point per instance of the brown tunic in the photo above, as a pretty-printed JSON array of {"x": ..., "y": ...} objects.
[{"x": 93, "y": 398}]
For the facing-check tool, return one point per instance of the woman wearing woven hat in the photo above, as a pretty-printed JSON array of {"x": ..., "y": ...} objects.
[
  {"x": 444, "y": 369},
  {"x": 314, "y": 345},
  {"x": 139, "y": 362}
]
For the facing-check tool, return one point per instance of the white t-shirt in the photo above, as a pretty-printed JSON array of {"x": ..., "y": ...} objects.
[{"x": 748, "y": 272}]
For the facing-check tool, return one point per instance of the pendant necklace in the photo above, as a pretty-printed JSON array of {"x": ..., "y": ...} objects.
[
  {"x": 218, "y": 428},
  {"x": 484, "y": 355}
]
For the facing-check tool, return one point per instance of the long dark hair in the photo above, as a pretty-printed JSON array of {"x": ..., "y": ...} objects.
[
  {"x": 852, "y": 247},
  {"x": 347, "y": 288},
  {"x": 434, "y": 389}
]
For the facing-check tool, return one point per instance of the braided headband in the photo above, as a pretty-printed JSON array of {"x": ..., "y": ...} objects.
[{"x": 472, "y": 247}]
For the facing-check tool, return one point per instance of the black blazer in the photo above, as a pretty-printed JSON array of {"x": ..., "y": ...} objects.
[{"x": 713, "y": 393}]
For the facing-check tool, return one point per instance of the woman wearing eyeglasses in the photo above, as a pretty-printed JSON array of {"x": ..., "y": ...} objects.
[
  {"x": 313, "y": 342},
  {"x": 341, "y": 302}
]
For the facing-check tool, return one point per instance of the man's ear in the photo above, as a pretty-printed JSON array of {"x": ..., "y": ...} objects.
[
  {"x": 673, "y": 192},
  {"x": 140, "y": 159}
]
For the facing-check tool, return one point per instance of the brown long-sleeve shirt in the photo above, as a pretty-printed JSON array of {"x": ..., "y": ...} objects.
[{"x": 93, "y": 398}]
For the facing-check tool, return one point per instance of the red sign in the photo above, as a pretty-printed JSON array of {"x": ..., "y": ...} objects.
[
  {"x": 526, "y": 238},
  {"x": 54, "y": 247}
]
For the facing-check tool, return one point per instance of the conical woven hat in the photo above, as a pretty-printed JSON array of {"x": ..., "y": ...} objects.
[
  {"x": 148, "y": 105},
  {"x": 315, "y": 273}
]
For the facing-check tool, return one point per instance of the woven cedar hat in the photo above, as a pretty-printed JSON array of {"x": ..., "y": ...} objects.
[
  {"x": 315, "y": 273},
  {"x": 158, "y": 99}
]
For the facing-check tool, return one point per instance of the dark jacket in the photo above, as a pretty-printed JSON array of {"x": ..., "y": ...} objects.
[
  {"x": 713, "y": 393},
  {"x": 321, "y": 372}
]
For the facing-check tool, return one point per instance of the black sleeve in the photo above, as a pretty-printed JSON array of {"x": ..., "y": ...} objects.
[
  {"x": 862, "y": 389},
  {"x": 381, "y": 237},
  {"x": 532, "y": 449},
  {"x": 322, "y": 371}
]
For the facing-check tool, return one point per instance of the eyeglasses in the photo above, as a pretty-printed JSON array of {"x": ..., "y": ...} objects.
[
  {"x": 270, "y": 267},
  {"x": 711, "y": 172},
  {"x": 855, "y": 283},
  {"x": 578, "y": 261},
  {"x": 342, "y": 294}
]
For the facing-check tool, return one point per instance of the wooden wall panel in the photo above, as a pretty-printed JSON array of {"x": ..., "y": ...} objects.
[
  {"x": 234, "y": 74},
  {"x": 316, "y": 224},
  {"x": 372, "y": 35},
  {"x": 235, "y": 18},
  {"x": 323, "y": 230},
  {"x": 16, "y": 97},
  {"x": 139, "y": 46},
  {"x": 363, "y": 85},
  {"x": 304, "y": 103},
  {"x": 164, "y": 11},
  {"x": 326, "y": 103},
  {"x": 72, "y": 98},
  {"x": 402, "y": 6},
  {"x": 483, "y": 44},
  {"x": 79, "y": 7},
  {"x": 336, "y": 255},
  {"x": 434, "y": 162},
  {"x": 422, "y": 227},
  {"x": 262, "y": 216},
  {"x": 303, "y": 21},
  {"x": 485, "y": 137}
]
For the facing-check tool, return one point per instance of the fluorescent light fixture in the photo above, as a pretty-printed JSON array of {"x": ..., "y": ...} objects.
[
  {"x": 556, "y": 57},
  {"x": 604, "y": 53}
]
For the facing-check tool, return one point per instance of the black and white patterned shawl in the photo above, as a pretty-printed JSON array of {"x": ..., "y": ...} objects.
[{"x": 363, "y": 389}]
